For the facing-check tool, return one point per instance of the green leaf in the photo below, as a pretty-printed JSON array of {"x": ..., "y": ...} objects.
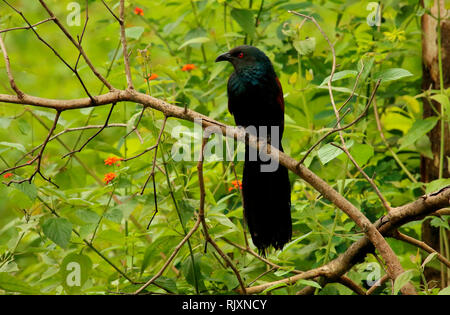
[
  {"x": 167, "y": 283},
  {"x": 58, "y": 230},
  {"x": 11, "y": 284},
  {"x": 193, "y": 275},
  {"x": 305, "y": 47},
  {"x": 28, "y": 189},
  {"x": 391, "y": 74},
  {"x": 445, "y": 291},
  {"x": 88, "y": 216},
  {"x": 418, "y": 130},
  {"x": 114, "y": 215},
  {"x": 197, "y": 40},
  {"x": 362, "y": 153},
  {"x": 245, "y": 19},
  {"x": 436, "y": 185},
  {"x": 310, "y": 283},
  {"x": 340, "y": 75},
  {"x": 217, "y": 70},
  {"x": 329, "y": 152},
  {"x": 134, "y": 32},
  {"x": 428, "y": 259},
  {"x": 444, "y": 101},
  {"x": 17, "y": 146},
  {"x": 273, "y": 287},
  {"x": 403, "y": 279}
]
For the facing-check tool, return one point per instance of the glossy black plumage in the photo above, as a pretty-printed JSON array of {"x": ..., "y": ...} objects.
[{"x": 255, "y": 98}]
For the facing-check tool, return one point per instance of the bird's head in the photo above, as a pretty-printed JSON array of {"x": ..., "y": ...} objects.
[{"x": 245, "y": 56}]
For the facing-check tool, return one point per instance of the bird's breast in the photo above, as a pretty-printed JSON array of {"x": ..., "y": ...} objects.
[{"x": 253, "y": 100}]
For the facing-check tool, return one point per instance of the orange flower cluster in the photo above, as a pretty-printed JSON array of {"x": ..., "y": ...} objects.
[
  {"x": 109, "y": 177},
  {"x": 188, "y": 67},
  {"x": 113, "y": 160},
  {"x": 8, "y": 175},
  {"x": 236, "y": 184},
  {"x": 138, "y": 11},
  {"x": 152, "y": 77}
]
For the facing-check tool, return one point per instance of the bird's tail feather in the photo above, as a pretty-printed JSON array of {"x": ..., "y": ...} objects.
[{"x": 267, "y": 206}]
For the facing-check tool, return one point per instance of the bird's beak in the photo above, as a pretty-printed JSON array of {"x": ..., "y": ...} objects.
[{"x": 224, "y": 57}]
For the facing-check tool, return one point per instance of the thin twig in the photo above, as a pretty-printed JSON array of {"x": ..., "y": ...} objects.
[
  {"x": 95, "y": 134},
  {"x": 123, "y": 39},
  {"x": 25, "y": 27},
  {"x": 12, "y": 83}
]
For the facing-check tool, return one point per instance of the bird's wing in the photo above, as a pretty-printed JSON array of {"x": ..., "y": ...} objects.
[{"x": 280, "y": 98}]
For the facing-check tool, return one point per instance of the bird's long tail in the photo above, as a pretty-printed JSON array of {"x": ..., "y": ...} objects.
[{"x": 267, "y": 205}]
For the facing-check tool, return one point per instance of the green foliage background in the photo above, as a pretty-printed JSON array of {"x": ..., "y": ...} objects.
[{"x": 35, "y": 244}]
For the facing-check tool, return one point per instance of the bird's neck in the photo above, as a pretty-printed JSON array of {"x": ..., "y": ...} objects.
[{"x": 253, "y": 74}]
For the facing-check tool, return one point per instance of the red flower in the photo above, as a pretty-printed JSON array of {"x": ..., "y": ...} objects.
[
  {"x": 138, "y": 11},
  {"x": 236, "y": 184},
  {"x": 109, "y": 177},
  {"x": 152, "y": 77},
  {"x": 8, "y": 175},
  {"x": 188, "y": 67},
  {"x": 113, "y": 160}
]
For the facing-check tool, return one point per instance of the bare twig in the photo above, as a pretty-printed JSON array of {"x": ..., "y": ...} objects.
[
  {"x": 53, "y": 18},
  {"x": 77, "y": 45},
  {"x": 25, "y": 27},
  {"x": 363, "y": 113},
  {"x": 349, "y": 283},
  {"x": 123, "y": 39},
  {"x": 38, "y": 158},
  {"x": 95, "y": 134},
  {"x": 422, "y": 245},
  {"x": 12, "y": 83},
  {"x": 152, "y": 173},
  {"x": 201, "y": 215}
]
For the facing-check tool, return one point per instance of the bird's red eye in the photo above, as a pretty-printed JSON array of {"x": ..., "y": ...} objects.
[{"x": 241, "y": 55}]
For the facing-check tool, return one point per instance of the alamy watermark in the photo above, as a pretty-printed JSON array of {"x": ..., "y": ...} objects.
[
  {"x": 374, "y": 17},
  {"x": 223, "y": 147},
  {"x": 74, "y": 17}
]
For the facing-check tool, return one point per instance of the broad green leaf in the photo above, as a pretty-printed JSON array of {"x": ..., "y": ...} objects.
[
  {"x": 114, "y": 215},
  {"x": 167, "y": 283},
  {"x": 246, "y": 20},
  {"x": 17, "y": 146},
  {"x": 340, "y": 75},
  {"x": 392, "y": 74},
  {"x": 445, "y": 291},
  {"x": 11, "y": 284},
  {"x": 362, "y": 153},
  {"x": 444, "y": 101},
  {"x": 28, "y": 189},
  {"x": 329, "y": 152},
  {"x": 305, "y": 47},
  {"x": 418, "y": 130},
  {"x": 134, "y": 32},
  {"x": 273, "y": 287},
  {"x": 436, "y": 185},
  {"x": 58, "y": 230},
  {"x": 88, "y": 216},
  {"x": 311, "y": 283},
  {"x": 217, "y": 70},
  {"x": 428, "y": 259},
  {"x": 197, "y": 40},
  {"x": 403, "y": 279}
]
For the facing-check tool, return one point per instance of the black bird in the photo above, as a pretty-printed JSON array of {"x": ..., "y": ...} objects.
[{"x": 255, "y": 98}]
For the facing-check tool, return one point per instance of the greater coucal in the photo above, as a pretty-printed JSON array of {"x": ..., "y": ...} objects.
[{"x": 255, "y": 98}]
